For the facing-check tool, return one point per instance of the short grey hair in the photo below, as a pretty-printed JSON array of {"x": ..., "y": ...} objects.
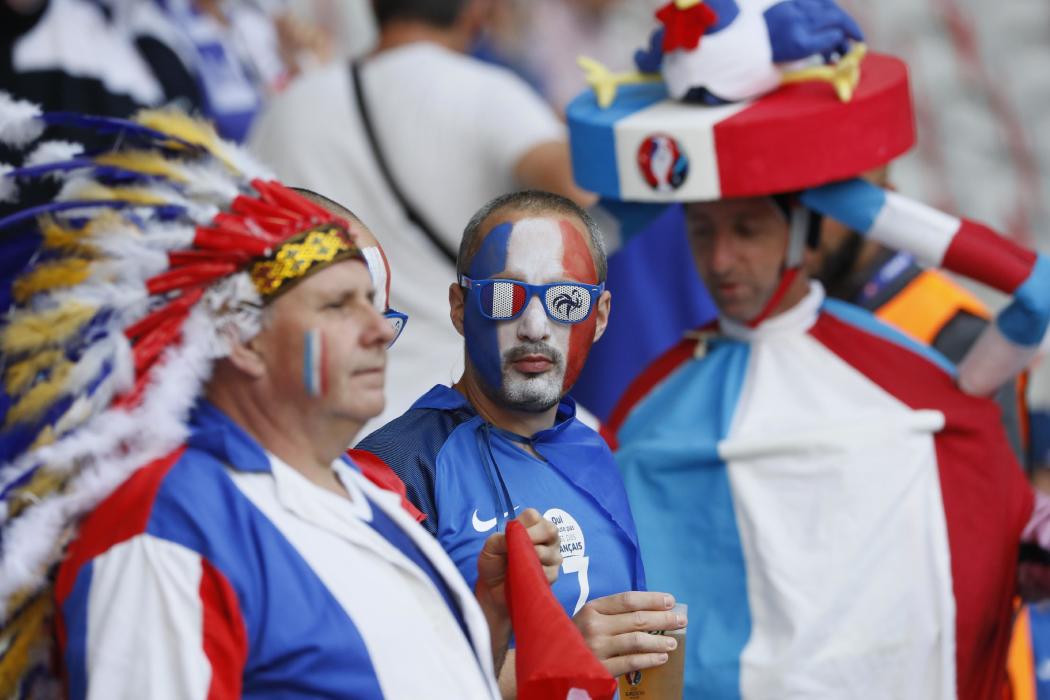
[{"x": 530, "y": 202}]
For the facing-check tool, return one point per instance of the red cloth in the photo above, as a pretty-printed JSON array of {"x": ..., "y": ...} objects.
[
  {"x": 684, "y": 28},
  {"x": 552, "y": 659}
]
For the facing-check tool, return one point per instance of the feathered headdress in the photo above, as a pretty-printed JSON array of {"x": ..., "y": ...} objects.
[{"x": 148, "y": 257}]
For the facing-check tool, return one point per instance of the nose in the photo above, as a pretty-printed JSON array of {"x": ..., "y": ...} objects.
[
  {"x": 534, "y": 324},
  {"x": 719, "y": 252},
  {"x": 379, "y": 330}
]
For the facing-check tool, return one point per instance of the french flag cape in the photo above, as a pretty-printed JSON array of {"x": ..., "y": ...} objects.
[{"x": 837, "y": 514}]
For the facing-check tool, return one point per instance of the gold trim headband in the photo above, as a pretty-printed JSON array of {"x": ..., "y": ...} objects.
[{"x": 300, "y": 256}]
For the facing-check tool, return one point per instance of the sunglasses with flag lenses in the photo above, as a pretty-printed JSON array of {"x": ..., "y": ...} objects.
[
  {"x": 564, "y": 302},
  {"x": 397, "y": 322}
]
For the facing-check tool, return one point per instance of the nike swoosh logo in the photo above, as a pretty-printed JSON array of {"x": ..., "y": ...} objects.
[
  {"x": 485, "y": 525},
  {"x": 482, "y": 525}
]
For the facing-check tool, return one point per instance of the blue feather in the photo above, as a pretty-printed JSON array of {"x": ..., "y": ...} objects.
[{"x": 113, "y": 125}]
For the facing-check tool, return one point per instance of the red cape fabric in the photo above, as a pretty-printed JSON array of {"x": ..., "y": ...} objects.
[{"x": 552, "y": 659}]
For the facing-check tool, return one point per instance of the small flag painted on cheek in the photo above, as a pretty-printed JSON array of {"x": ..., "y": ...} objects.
[
  {"x": 313, "y": 362},
  {"x": 502, "y": 300}
]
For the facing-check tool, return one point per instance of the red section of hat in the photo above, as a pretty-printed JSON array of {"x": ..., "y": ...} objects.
[{"x": 802, "y": 135}]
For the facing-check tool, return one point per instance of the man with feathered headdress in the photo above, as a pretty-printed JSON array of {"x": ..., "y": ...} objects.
[{"x": 186, "y": 358}]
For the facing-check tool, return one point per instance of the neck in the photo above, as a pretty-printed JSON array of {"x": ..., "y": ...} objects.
[
  {"x": 526, "y": 423},
  {"x": 399, "y": 33},
  {"x": 306, "y": 441}
]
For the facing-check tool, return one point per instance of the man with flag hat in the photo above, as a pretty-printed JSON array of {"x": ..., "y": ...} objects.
[
  {"x": 838, "y": 505},
  {"x": 187, "y": 356}
]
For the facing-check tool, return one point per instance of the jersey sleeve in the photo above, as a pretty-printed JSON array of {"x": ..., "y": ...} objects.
[
  {"x": 409, "y": 446},
  {"x": 973, "y": 250},
  {"x": 150, "y": 618}
]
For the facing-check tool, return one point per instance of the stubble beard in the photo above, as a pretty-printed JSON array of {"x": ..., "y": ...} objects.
[{"x": 532, "y": 393}]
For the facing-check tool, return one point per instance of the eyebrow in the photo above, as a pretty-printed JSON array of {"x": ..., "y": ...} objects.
[{"x": 347, "y": 295}]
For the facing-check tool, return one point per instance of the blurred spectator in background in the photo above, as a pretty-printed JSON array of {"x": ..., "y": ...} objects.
[
  {"x": 71, "y": 55},
  {"x": 545, "y": 37},
  {"x": 226, "y": 58},
  {"x": 222, "y": 59},
  {"x": 423, "y": 138}
]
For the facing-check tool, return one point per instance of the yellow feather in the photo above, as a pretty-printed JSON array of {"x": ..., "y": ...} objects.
[
  {"x": 35, "y": 401},
  {"x": 27, "y": 630},
  {"x": 25, "y": 332},
  {"x": 146, "y": 162},
  {"x": 183, "y": 126},
  {"x": 179, "y": 125},
  {"x": 105, "y": 221},
  {"x": 69, "y": 240},
  {"x": 132, "y": 195},
  {"x": 21, "y": 374},
  {"x": 43, "y": 484},
  {"x": 60, "y": 273}
]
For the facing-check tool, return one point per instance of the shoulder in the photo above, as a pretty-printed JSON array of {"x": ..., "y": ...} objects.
[
  {"x": 325, "y": 84},
  {"x": 648, "y": 380},
  {"x": 319, "y": 96},
  {"x": 416, "y": 436},
  {"x": 408, "y": 448},
  {"x": 182, "y": 499},
  {"x": 843, "y": 327}
]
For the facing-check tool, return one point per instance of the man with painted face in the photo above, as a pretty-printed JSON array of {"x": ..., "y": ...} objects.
[{"x": 529, "y": 302}]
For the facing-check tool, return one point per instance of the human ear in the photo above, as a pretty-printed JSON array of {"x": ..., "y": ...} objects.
[
  {"x": 603, "y": 311},
  {"x": 247, "y": 356},
  {"x": 455, "y": 306}
]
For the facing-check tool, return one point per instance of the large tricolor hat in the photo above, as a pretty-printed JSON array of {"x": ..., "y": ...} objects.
[
  {"x": 739, "y": 98},
  {"x": 150, "y": 257}
]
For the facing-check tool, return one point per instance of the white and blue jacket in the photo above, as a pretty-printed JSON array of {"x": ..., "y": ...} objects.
[{"x": 220, "y": 572}]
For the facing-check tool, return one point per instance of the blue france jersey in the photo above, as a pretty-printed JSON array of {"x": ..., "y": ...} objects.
[{"x": 469, "y": 478}]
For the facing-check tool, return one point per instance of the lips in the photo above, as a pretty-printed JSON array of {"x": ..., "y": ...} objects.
[
  {"x": 370, "y": 371},
  {"x": 533, "y": 364}
]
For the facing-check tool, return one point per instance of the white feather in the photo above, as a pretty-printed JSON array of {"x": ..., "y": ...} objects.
[
  {"x": 53, "y": 152},
  {"x": 20, "y": 121},
  {"x": 108, "y": 449},
  {"x": 8, "y": 186}
]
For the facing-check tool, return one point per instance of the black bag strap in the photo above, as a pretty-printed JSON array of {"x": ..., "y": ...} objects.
[{"x": 411, "y": 212}]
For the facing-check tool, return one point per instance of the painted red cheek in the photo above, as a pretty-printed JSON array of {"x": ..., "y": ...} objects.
[
  {"x": 581, "y": 337},
  {"x": 576, "y": 258}
]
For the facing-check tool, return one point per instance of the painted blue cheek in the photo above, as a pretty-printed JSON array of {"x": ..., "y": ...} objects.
[{"x": 482, "y": 344}]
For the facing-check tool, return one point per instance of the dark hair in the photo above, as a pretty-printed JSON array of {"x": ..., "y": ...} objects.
[
  {"x": 437, "y": 13},
  {"x": 529, "y": 202}
]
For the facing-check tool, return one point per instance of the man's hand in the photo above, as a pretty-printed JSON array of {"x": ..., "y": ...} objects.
[
  {"x": 617, "y": 627},
  {"x": 492, "y": 575}
]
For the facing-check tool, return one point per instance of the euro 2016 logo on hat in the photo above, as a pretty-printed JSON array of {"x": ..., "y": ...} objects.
[{"x": 662, "y": 162}]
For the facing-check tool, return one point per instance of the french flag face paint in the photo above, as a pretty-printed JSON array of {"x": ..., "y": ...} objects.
[
  {"x": 530, "y": 359},
  {"x": 314, "y": 363}
]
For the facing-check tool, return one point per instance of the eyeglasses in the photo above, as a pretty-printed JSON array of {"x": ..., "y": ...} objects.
[
  {"x": 504, "y": 300},
  {"x": 397, "y": 321}
]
